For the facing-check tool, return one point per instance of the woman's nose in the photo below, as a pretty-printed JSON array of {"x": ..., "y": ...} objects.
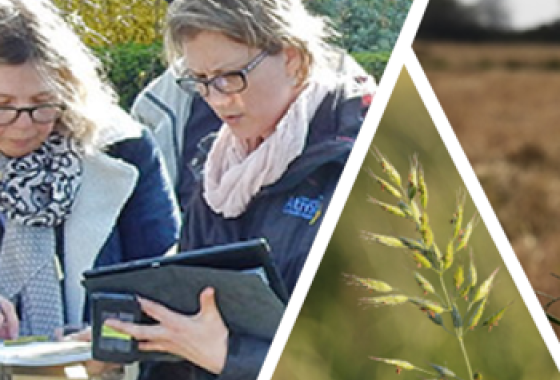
[{"x": 23, "y": 120}]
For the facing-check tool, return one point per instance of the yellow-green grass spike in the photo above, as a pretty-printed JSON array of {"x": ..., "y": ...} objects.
[
  {"x": 472, "y": 272},
  {"x": 392, "y": 300},
  {"x": 388, "y": 168},
  {"x": 389, "y": 208},
  {"x": 421, "y": 260},
  {"x": 465, "y": 292},
  {"x": 424, "y": 283},
  {"x": 459, "y": 277},
  {"x": 413, "y": 244},
  {"x": 413, "y": 178},
  {"x": 415, "y": 212},
  {"x": 427, "y": 305},
  {"x": 369, "y": 283},
  {"x": 385, "y": 186},
  {"x": 466, "y": 234},
  {"x": 449, "y": 254},
  {"x": 399, "y": 364},
  {"x": 458, "y": 215},
  {"x": 388, "y": 241},
  {"x": 484, "y": 288},
  {"x": 477, "y": 314},
  {"x": 493, "y": 320},
  {"x": 425, "y": 230},
  {"x": 405, "y": 208},
  {"x": 422, "y": 188}
]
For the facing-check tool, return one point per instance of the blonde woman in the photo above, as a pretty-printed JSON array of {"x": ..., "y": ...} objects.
[
  {"x": 81, "y": 184},
  {"x": 289, "y": 121}
]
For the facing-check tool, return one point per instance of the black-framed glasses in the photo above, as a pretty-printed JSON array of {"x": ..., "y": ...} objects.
[
  {"x": 40, "y": 114},
  {"x": 231, "y": 82}
]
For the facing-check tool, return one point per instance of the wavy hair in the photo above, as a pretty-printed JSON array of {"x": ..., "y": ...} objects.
[
  {"x": 33, "y": 31},
  {"x": 268, "y": 25}
]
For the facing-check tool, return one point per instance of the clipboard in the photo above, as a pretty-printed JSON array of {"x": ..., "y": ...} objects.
[{"x": 249, "y": 292}]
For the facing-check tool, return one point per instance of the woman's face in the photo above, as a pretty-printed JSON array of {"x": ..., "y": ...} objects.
[
  {"x": 253, "y": 113},
  {"x": 21, "y": 86}
]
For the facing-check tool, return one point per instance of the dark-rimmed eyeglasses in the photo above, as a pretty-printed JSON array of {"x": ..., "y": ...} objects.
[
  {"x": 40, "y": 114},
  {"x": 231, "y": 82}
]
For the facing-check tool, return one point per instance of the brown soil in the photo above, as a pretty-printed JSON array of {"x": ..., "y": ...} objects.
[{"x": 503, "y": 103}]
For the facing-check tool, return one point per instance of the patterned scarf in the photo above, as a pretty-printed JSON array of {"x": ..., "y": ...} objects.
[
  {"x": 36, "y": 195},
  {"x": 232, "y": 176}
]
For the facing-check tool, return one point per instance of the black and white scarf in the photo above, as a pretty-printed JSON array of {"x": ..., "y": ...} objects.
[{"x": 37, "y": 192}]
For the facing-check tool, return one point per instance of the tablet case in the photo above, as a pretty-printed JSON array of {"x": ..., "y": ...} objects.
[{"x": 249, "y": 304}]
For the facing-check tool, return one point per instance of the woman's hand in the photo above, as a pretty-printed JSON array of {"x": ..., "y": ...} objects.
[
  {"x": 9, "y": 322},
  {"x": 201, "y": 338}
]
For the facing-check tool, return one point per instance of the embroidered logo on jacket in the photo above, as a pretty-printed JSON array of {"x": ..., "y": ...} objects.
[{"x": 304, "y": 207}]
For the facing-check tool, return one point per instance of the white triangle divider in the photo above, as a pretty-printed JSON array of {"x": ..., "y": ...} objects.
[
  {"x": 386, "y": 85},
  {"x": 482, "y": 204}
]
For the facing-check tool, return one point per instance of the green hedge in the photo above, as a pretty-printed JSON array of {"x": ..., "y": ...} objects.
[{"x": 130, "y": 67}]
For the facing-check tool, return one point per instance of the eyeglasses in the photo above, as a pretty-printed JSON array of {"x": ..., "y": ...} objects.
[
  {"x": 40, "y": 114},
  {"x": 231, "y": 82}
]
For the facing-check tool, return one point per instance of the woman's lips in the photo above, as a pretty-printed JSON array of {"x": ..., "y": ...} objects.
[{"x": 232, "y": 119}]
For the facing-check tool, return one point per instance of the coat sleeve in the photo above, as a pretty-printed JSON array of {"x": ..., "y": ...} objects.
[
  {"x": 149, "y": 224},
  {"x": 245, "y": 357}
]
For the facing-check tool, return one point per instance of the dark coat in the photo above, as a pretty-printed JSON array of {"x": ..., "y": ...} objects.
[{"x": 287, "y": 213}]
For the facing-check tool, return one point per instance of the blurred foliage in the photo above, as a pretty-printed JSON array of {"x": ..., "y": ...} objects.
[
  {"x": 130, "y": 67},
  {"x": 334, "y": 336},
  {"x": 365, "y": 25},
  {"x": 373, "y": 63},
  {"x": 109, "y": 22}
]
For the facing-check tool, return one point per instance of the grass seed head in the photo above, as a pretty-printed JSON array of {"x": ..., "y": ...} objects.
[
  {"x": 424, "y": 284},
  {"x": 422, "y": 188},
  {"x": 427, "y": 305},
  {"x": 459, "y": 277},
  {"x": 389, "y": 208},
  {"x": 458, "y": 215},
  {"x": 477, "y": 313},
  {"x": 395, "y": 362},
  {"x": 369, "y": 283},
  {"x": 443, "y": 372},
  {"x": 472, "y": 272},
  {"x": 495, "y": 318},
  {"x": 392, "y": 300},
  {"x": 466, "y": 234},
  {"x": 388, "y": 168},
  {"x": 456, "y": 317},
  {"x": 421, "y": 260},
  {"x": 388, "y": 241},
  {"x": 448, "y": 257},
  {"x": 386, "y": 185},
  {"x": 484, "y": 288}
]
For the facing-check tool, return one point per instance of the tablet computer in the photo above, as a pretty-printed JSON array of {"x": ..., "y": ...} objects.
[
  {"x": 249, "y": 293},
  {"x": 244, "y": 256}
]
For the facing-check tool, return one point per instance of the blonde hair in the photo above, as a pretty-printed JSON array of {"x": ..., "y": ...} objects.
[
  {"x": 33, "y": 31},
  {"x": 268, "y": 25}
]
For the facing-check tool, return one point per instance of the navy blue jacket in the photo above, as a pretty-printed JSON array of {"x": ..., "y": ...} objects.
[{"x": 287, "y": 213}]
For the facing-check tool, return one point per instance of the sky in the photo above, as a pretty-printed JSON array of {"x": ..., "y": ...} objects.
[{"x": 527, "y": 14}]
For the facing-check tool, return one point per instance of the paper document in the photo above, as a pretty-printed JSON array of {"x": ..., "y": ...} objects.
[{"x": 42, "y": 354}]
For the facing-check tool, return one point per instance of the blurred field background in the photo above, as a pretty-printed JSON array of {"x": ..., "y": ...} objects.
[
  {"x": 499, "y": 89},
  {"x": 335, "y": 335}
]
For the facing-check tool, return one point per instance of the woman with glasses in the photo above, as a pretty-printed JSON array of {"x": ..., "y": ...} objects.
[
  {"x": 289, "y": 122},
  {"x": 81, "y": 184}
]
